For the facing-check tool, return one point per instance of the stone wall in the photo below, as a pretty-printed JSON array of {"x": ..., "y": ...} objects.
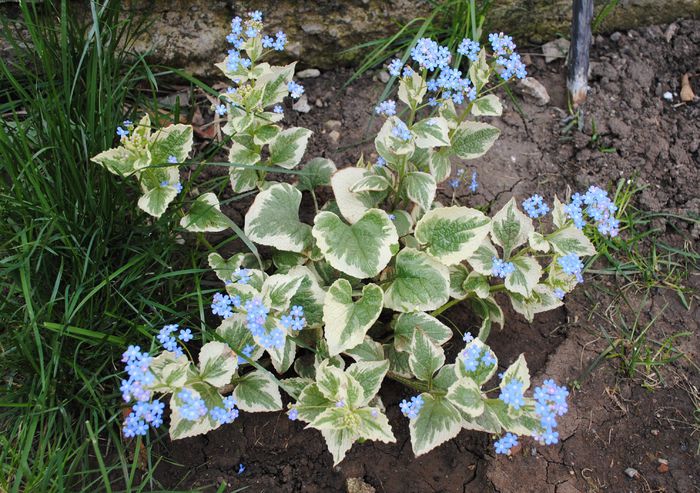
[{"x": 189, "y": 34}]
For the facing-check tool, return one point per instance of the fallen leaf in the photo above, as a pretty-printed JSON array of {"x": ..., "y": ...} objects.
[{"x": 687, "y": 93}]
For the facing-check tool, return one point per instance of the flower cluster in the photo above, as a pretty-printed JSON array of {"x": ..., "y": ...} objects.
[
  {"x": 193, "y": 407},
  {"x": 412, "y": 408},
  {"x": 277, "y": 43},
  {"x": 228, "y": 413},
  {"x": 473, "y": 355},
  {"x": 401, "y": 131},
  {"x": 469, "y": 49},
  {"x": 449, "y": 84},
  {"x": 431, "y": 55},
  {"x": 572, "y": 265},
  {"x": 387, "y": 108},
  {"x": 221, "y": 305},
  {"x": 507, "y": 442},
  {"x": 510, "y": 63},
  {"x": 550, "y": 402},
  {"x": 512, "y": 394},
  {"x": 258, "y": 318},
  {"x": 295, "y": 90},
  {"x": 144, "y": 412},
  {"x": 598, "y": 207},
  {"x": 535, "y": 206},
  {"x": 501, "y": 268},
  {"x": 168, "y": 340}
]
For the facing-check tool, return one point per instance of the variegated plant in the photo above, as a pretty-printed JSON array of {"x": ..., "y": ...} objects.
[{"x": 355, "y": 297}]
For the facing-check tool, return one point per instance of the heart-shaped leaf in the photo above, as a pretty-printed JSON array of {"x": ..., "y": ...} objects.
[
  {"x": 348, "y": 321},
  {"x": 360, "y": 250},
  {"x": 419, "y": 283},
  {"x": 273, "y": 219},
  {"x": 452, "y": 234}
]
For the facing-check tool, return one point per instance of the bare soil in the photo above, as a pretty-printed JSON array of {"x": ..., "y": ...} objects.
[{"x": 615, "y": 422}]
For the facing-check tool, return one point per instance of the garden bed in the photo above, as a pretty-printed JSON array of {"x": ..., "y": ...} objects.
[{"x": 615, "y": 423}]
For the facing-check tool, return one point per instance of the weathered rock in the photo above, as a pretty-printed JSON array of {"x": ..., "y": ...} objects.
[
  {"x": 308, "y": 73},
  {"x": 302, "y": 104},
  {"x": 555, "y": 49},
  {"x": 534, "y": 88},
  {"x": 332, "y": 125},
  {"x": 334, "y": 136},
  {"x": 384, "y": 76},
  {"x": 357, "y": 485}
]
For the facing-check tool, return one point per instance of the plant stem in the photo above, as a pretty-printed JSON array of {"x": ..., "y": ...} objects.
[{"x": 444, "y": 307}]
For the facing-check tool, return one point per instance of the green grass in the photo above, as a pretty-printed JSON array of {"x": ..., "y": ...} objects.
[
  {"x": 642, "y": 261},
  {"x": 641, "y": 255},
  {"x": 82, "y": 271},
  {"x": 448, "y": 23}
]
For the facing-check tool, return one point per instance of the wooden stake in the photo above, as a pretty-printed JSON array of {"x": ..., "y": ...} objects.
[{"x": 581, "y": 37}]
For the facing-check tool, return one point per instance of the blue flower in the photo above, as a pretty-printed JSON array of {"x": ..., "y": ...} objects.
[
  {"x": 501, "y": 44},
  {"x": 221, "y": 109},
  {"x": 501, "y": 268},
  {"x": 127, "y": 123},
  {"x": 236, "y": 25},
  {"x": 412, "y": 408},
  {"x": 454, "y": 183},
  {"x": 430, "y": 55},
  {"x": 550, "y": 402},
  {"x": 185, "y": 335},
  {"x": 467, "y": 337},
  {"x": 193, "y": 407},
  {"x": 471, "y": 357},
  {"x": 122, "y": 132},
  {"x": 559, "y": 293},
  {"x": 395, "y": 67},
  {"x": 241, "y": 469},
  {"x": 512, "y": 67},
  {"x": 172, "y": 159},
  {"x": 535, "y": 206},
  {"x": 340, "y": 403},
  {"x": 469, "y": 49},
  {"x": 392, "y": 217},
  {"x": 488, "y": 359},
  {"x": 602, "y": 210},
  {"x": 248, "y": 350},
  {"x": 166, "y": 338},
  {"x": 268, "y": 42},
  {"x": 506, "y": 443},
  {"x": 278, "y": 109},
  {"x": 380, "y": 163},
  {"x": 293, "y": 414},
  {"x": 512, "y": 394},
  {"x": 243, "y": 275},
  {"x": 387, "y": 108},
  {"x": 572, "y": 265},
  {"x": 401, "y": 131},
  {"x": 228, "y": 413},
  {"x": 473, "y": 185},
  {"x": 178, "y": 187},
  {"x": 221, "y": 305},
  {"x": 136, "y": 386},
  {"x": 255, "y": 15},
  {"x": 295, "y": 90},
  {"x": 280, "y": 41}
]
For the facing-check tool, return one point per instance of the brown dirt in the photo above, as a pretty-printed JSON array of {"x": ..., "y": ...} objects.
[{"x": 615, "y": 422}]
